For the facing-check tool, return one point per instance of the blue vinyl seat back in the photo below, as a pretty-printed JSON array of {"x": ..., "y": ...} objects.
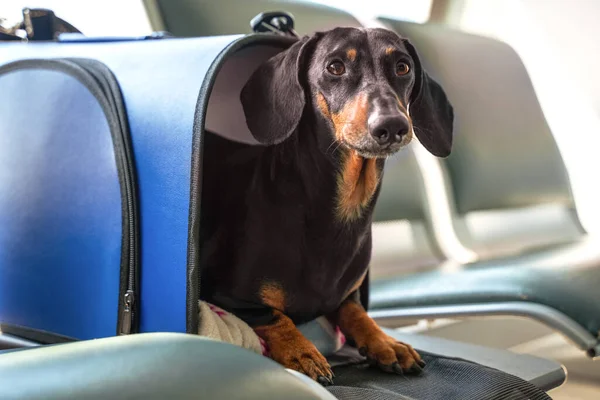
[{"x": 60, "y": 206}]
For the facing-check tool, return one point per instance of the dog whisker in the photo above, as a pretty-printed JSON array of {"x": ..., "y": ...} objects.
[
  {"x": 337, "y": 147},
  {"x": 330, "y": 146},
  {"x": 421, "y": 129}
]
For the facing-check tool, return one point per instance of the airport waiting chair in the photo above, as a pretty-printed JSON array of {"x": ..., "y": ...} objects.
[{"x": 510, "y": 202}]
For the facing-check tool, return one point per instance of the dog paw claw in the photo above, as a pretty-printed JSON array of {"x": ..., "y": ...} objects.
[
  {"x": 416, "y": 369},
  {"x": 325, "y": 381},
  {"x": 397, "y": 368}
]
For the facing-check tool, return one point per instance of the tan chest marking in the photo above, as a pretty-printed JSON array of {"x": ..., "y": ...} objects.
[{"x": 356, "y": 185}]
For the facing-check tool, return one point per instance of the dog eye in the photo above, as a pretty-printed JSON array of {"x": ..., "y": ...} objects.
[
  {"x": 402, "y": 68},
  {"x": 336, "y": 68}
]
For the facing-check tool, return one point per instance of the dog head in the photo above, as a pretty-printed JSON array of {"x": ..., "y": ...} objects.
[{"x": 366, "y": 85}]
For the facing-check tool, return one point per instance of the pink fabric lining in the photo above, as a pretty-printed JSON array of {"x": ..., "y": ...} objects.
[{"x": 340, "y": 338}]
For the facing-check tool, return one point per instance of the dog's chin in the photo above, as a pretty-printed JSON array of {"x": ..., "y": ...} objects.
[{"x": 374, "y": 151}]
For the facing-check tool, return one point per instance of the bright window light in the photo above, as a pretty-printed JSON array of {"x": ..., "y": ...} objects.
[
  {"x": 530, "y": 27},
  {"x": 406, "y": 10},
  {"x": 93, "y": 18}
]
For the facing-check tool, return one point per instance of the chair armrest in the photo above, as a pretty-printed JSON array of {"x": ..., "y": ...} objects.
[
  {"x": 566, "y": 300},
  {"x": 148, "y": 366}
]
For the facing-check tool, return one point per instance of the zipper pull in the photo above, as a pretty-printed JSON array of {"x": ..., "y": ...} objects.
[{"x": 127, "y": 314}]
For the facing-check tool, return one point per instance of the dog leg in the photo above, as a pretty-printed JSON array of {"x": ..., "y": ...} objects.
[
  {"x": 380, "y": 349},
  {"x": 292, "y": 350}
]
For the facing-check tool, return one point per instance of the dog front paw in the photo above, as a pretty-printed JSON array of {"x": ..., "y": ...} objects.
[
  {"x": 291, "y": 349},
  {"x": 380, "y": 349},
  {"x": 391, "y": 355},
  {"x": 304, "y": 357}
]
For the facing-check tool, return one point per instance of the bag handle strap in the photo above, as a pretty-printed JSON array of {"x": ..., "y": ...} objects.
[
  {"x": 277, "y": 22},
  {"x": 38, "y": 24}
]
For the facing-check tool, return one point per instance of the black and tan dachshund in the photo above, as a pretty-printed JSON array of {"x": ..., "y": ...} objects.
[{"x": 287, "y": 224}]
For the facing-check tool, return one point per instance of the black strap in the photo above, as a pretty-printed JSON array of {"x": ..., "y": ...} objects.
[
  {"x": 38, "y": 24},
  {"x": 277, "y": 22}
]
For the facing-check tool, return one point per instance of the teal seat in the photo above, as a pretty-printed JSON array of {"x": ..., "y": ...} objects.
[{"x": 507, "y": 202}]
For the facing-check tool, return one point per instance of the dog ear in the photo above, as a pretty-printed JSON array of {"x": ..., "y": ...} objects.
[
  {"x": 431, "y": 112},
  {"x": 273, "y": 98}
]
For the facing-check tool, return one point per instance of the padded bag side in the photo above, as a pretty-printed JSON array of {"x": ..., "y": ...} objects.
[
  {"x": 68, "y": 214},
  {"x": 160, "y": 81},
  {"x": 172, "y": 88}
]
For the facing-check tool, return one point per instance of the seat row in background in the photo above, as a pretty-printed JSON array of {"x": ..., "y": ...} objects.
[{"x": 491, "y": 230}]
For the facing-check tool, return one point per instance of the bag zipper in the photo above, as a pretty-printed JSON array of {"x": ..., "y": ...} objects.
[
  {"x": 127, "y": 322},
  {"x": 101, "y": 82},
  {"x": 105, "y": 80},
  {"x": 124, "y": 157},
  {"x": 127, "y": 313}
]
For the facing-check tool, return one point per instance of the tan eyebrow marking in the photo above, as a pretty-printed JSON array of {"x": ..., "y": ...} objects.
[
  {"x": 389, "y": 50},
  {"x": 351, "y": 53}
]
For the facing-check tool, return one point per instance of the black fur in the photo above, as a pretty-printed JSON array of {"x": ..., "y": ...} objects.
[
  {"x": 431, "y": 112},
  {"x": 268, "y": 211}
]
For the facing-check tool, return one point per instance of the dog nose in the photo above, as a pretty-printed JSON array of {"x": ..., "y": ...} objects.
[{"x": 389, "y": 129}]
